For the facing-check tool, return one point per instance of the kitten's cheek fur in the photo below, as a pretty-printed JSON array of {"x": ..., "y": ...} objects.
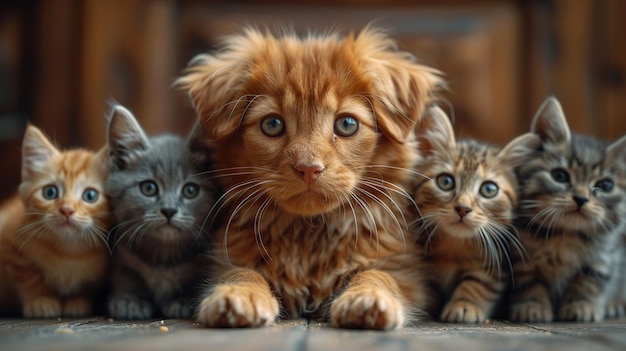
[
  {"x": 369, "y": 308},
  {"x": 238, "y": 305}
]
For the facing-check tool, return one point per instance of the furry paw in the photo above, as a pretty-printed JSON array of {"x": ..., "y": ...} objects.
[
  {"x": 531, "y": 311},
  {"x": 42, "y": 307},
  {"x": 367, "y": 308},
  {"x": 76, "y": 307},
  {"x": 615, "y": 310},
  {"x": 463, "y": 312},
  {"x": 237, "y": 306},
  {"x": 581, "y": 311},
  {"x": 177, "y": 309},
  {"x": 129, "y": 307}
]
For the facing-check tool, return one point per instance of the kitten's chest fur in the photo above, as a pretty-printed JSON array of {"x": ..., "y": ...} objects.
[
  {"x": 162, "y": 277},
  {"x": 561, "y": 255},
  {"x": 67, "y": 272}
]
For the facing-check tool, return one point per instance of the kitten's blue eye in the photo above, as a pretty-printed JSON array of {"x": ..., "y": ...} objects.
[
  {"x": 90, "y": 195},
  {"x": 149, "y": 188},
  {"x": 560, "y": 175},
  {"x": 272, "y": 126},
  {"x": 191, "y": 190},
  {"x": 489, "y": 189},
  {"x": 445, "y": 182},
  {"x": 605, "y": 185},
  {"x": 50, "y": 192},
  {"x": 346, "y": 126}
]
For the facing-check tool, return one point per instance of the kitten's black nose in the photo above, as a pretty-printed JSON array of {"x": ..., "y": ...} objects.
[
  {"x": 169, "y": 212},
  {"x": 580, "y": 201},
  {"x": 309, "y": 172},
  {"x": 462, "y": 210}
]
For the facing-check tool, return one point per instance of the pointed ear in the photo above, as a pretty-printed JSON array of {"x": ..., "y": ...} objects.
[
  {"x": 550, "y": 123},
  {"x": 125, "y": 137},
  {"x": 402, "y": 88},
  {"x": 435, "y": 132},
  {"x": 37, "y": 152},
  {"x": 199, "y": 147},
  {"x": 616, "y": 152},
  {"x": 518, "y": 150}
]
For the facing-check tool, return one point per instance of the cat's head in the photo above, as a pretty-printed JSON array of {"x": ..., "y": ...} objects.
[
  {"x": 571, "y": 181},
  {"x": 469, "y": 188},
  {"x": 158, "y": 187},
  {"x": 63, "y": 191},
  {"x": 303, "y": 121}
]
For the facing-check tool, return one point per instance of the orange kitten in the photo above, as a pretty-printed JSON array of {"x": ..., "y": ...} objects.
[
  {"x": 313, "y": 139},
  {"x": 53, "y": 241}
]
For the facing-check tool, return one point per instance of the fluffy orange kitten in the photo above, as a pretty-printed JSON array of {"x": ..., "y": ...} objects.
[
  {"x": 53, "y": 236},
  {"x": 313, "y": 141}
]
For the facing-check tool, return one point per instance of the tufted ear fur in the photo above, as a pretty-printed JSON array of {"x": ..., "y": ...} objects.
[
  {"x": 125, "y": 137},
  {"x": 402, "y": 88},
  {"x": 518, "y": 150},
  {"x": 216, "y": 81},
  {"x": 550, "y": 123},
  {"x": 435, "y": 132},
  {"x": 199, "y": 147},
  {"x": 616, "y": 152},
  {"x": 37, "y": 152}
]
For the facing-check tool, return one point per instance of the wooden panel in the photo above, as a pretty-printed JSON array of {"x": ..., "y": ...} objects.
[
  {"x": 13, "y": 40},
  {"x": 610, "y": 70},
  {"x": 128, "y": 56}
]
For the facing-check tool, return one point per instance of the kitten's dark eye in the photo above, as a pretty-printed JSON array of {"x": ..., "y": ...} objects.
[
  {"x": 50, "y": 192},
  {"x": 346, "y": 126},
  {"x": 445, "y": 182},
  {"x": 191, "y": 190},
  {"x": 560, "y": 175},
  {"x": 272, "y": 126},
  {"x": 149, "y": 188},
  {"x": 489, "y": 189},
  {"x": 90, "y": 195},
  {"x": 605, "y": 185}
]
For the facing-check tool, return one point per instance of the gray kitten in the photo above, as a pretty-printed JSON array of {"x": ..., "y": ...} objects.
[
  {"x": 159, "y": 200},
  {"x": 572, "y": 213}
]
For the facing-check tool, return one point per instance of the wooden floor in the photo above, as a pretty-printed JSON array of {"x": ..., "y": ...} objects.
[{"x": 102, "y": 334}]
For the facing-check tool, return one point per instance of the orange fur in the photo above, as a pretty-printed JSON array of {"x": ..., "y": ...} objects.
[
  {"x": 56, "y": 261},
  {"x": 335, "y": 247}
]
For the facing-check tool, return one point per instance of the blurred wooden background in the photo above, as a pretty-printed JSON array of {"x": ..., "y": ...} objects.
[{"x": 62, "y": 60}]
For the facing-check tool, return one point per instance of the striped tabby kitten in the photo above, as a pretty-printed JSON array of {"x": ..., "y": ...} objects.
[
  {"x": 53, "y": 244},
  {"x": 159, "y": 201},
  {"x": 571, "y": 216},
  {"x": 466, "y": 203}
]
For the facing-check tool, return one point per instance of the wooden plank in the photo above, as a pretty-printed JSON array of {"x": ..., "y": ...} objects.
[
  {"x": 103, "y": 334},
  {"x": 610, "y": 69}
]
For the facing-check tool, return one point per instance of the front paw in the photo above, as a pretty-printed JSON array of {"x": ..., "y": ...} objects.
[
  {"x": 76, "y": 307},
  {"x": 531, "y": 312},
  {"x": 581, "y": 311},
  {"x": 615, "y": 310},
  {"x": 367, "y": 308},
  {"x": 177, "y": 309},
  {"x": 463, "y": 312},
  {"x": 42, "y": 307},
  {"x": 130, "y": 307},
  {"x": 238, "y": 306}
]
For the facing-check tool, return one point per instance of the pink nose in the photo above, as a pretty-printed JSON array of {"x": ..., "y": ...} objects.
[
  {"x": 309, "y": 173},
  {"x": 66, "y": 211}
]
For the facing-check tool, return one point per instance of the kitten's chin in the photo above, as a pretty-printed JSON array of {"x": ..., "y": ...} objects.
[
  {"x": 309, "y": 204},
  {"x": 460, "y": 230}
]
